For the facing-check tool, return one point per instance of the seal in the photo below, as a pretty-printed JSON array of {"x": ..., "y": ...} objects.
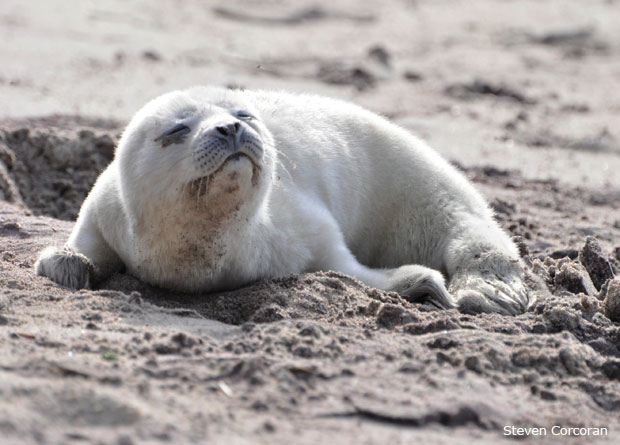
[{"x": 211, "y": 189}]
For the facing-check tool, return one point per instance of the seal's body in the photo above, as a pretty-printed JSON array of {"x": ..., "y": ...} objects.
[{"x": 211, "y": 189}]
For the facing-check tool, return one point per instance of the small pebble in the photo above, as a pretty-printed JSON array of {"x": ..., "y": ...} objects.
[
  {"x": 611, "y": 299},
  {"x": 592, "y": 258}
]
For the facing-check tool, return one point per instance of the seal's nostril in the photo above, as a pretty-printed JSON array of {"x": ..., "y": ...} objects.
[{"x": 229, "y": 129}]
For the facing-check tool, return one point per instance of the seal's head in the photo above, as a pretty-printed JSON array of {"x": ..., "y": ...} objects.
[{"x": 202, "y": 150}]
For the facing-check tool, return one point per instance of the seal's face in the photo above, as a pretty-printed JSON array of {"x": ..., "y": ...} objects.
[
  {"x": 207, "y": 147},
  {"x": 229, "y": 142}
]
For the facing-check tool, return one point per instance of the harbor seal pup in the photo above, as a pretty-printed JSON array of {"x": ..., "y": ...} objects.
[{"x": 211, "y": 189}]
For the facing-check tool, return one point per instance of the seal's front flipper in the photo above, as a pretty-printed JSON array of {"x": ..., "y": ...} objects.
[
  {"x": 66, "y": 267},
  {"x": 85, "y": 260},
  {"x": 420, "y": 284},
  {"x": 413, "y": 282}
]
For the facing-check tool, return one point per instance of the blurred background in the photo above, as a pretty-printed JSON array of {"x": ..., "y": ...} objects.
[{"x": 521, "y": 84}]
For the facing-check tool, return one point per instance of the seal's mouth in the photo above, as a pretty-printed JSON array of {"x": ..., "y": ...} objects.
[
  {"x": 199, "y": 186},
  {"x": 235, "y": 157}
]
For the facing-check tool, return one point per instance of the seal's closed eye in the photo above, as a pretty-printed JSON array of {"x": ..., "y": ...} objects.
[
  {"x": 175, "y": 135},
  {"x": 245, "y": 115}
]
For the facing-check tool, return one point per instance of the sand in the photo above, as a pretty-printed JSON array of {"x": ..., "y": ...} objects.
[{"x": 520, "y": 95}]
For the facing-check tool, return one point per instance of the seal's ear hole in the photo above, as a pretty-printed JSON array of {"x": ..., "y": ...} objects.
[{"x": 151, "y": 122}]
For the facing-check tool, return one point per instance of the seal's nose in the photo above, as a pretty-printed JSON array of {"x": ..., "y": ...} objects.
[{"x": 229, "y": 129}]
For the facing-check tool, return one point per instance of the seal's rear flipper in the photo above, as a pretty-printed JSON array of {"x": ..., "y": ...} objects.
[{"x": 492, "y": 282}]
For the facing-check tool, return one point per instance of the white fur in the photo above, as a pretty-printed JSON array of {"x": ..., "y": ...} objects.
[{"x": 338, "y": 188}]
